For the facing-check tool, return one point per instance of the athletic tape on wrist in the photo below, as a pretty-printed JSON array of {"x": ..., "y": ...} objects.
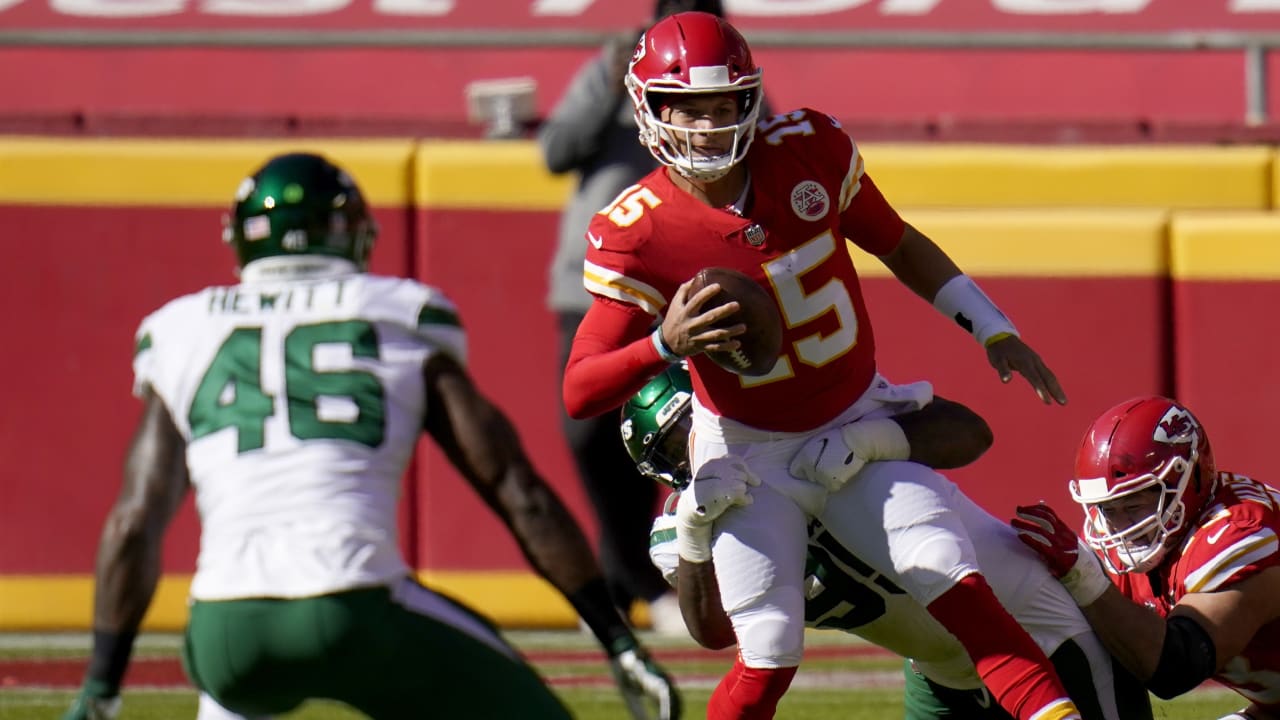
[
  {"x": 1086, "y": 581},
  {"x": 693, "y": 542},
  {"x": 961, "y": 300},
  {"x": 660, "y": 345}
]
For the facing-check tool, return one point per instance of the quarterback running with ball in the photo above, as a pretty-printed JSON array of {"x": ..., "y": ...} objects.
[{"x": 776, "y": 199}]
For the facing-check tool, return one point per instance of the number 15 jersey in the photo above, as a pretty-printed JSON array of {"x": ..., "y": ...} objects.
[
  {"x": 807, "y": 194},
  {"x": 301, "y": 402}
]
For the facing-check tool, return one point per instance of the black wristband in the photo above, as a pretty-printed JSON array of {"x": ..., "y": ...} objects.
[
  {"x": 111, "y": 653},
  {"x": 596, "y": 609}
]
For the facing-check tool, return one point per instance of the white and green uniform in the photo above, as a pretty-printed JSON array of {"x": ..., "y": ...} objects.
[
  {"x": 845, "y": 592},
  {"x": 301, "y": 402},
  {"x": 300, "y": 394}
]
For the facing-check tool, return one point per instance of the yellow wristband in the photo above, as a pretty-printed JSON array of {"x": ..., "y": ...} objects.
[{"x": 997, "y": 338}]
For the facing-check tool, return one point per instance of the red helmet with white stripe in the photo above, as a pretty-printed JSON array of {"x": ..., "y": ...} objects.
[
  {"x": 1143, "y": 473},
  {"x": 693, "y": 53}
]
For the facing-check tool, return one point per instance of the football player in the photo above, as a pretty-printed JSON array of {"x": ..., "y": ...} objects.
[
  {"x": 291, "y": 403},
  {"x": 776, "y": 198},
  {"x": 1191, "y": 588},
  {"x": 844, "y": 592}
]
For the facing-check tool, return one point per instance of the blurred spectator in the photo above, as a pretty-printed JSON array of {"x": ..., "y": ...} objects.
[{"x": 593, "y": 131}]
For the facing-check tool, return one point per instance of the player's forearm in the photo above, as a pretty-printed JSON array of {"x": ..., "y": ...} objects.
[
  {"x": 128, "y": 569},
  {"x": 554, "y": 544},
  {"x": 596, "y": 384},
  {"x": 549, "y": 537},
  {"x": 701, "y": 607},
  {"x": 945, "y": 434},
  {"x": 1133, "y": 634},
  {"x": 920, "y": 264}
]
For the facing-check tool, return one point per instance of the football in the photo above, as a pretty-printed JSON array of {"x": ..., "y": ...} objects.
[{"x": 762, "y": 341}]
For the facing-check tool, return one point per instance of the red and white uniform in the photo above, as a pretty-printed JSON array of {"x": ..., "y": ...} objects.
[
  {"x": 1234, "y": 538},
  {"x": 807, "y": 194}
]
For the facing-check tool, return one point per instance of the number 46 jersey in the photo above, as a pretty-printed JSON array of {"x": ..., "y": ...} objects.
[
  {"x": 807, "y": 193},
  {"x": 301, "y": 402}
]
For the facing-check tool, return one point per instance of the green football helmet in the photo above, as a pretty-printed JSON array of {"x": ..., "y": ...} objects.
[
  {"x": 300, "y": 204},
  {"x": 655, "y": 427}
]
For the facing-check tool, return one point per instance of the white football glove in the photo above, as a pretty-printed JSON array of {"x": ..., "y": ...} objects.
[
  {"x": 831, "y": 458},
  {"x": 721, "y": 483},
  {"x": 646, "y": 688}
]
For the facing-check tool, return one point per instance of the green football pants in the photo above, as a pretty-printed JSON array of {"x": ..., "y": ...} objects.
[
  {"x": 924, "y": 699},
  {"x": 402, "y": 652}
]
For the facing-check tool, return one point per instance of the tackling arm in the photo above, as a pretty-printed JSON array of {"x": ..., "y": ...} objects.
[
  {"x": 1202, "y": 632},
  {"x": 945, "y": 434},
  {"x": 942, "y": 434},
  {"x": 701, "y": 607},
  {"x": 128, "y": 563}
]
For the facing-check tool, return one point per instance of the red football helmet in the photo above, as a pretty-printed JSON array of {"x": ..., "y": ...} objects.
[
  {"x": 1137, "y": 446},
  {"x": 693, "y": 53}
]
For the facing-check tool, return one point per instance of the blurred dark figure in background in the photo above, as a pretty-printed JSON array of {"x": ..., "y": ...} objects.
[{"x": 593, "y": 132}]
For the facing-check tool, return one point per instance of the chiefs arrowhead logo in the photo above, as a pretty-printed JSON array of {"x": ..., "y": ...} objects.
[{"x": 1176, "y": 428}]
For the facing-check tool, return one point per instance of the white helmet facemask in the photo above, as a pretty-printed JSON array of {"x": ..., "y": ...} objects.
[
  {"x": 1140, "y": 546},
  {"x": 672, "y": 145}
]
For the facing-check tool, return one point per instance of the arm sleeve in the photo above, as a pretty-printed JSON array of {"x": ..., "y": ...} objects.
[
  {"x": 573, "y": 133},
  {"x": 611, "y": 359}
]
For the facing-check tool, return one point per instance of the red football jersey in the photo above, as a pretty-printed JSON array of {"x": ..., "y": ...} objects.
[
  {"x": 1234, "y": 538},
  {"x": 808, "y": 193}
]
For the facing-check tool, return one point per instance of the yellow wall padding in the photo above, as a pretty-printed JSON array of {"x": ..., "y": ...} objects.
[
  {"x": 63, "y": 602},
  {"x": 1226, "y": 246},
  {"x": 1080, "y": 176},
  {"x": 492, "y": 175},
  {"x": 510, "y": 175},
  {"x": 1043, "y": 243},
  {"x": 511, "y": 598},
  {"x": 60, "y": 602},
  {"x": 180, "y": 173}
]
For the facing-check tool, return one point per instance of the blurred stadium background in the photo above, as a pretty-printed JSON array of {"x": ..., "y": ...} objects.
[{"x": 1107, "y": 168}]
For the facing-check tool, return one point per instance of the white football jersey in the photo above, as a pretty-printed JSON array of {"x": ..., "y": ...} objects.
[{"x": 300, "y": 395}]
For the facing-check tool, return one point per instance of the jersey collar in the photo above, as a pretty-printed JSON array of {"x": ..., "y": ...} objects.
[{"x": 282, "y": 268}]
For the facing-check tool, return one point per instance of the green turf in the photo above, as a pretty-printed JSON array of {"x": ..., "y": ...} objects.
[
  {"x": 803, "y": 702},
  {"x": 808, "y": 704}
]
